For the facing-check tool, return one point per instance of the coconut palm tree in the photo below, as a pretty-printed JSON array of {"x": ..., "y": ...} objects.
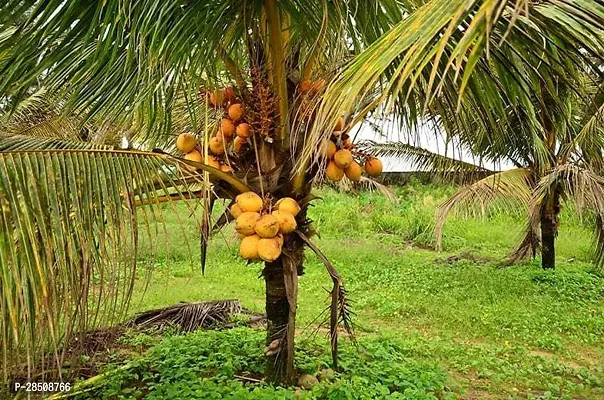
[
  {"x": 151, "y": 70},
  {"x": 557, "y": 157}
]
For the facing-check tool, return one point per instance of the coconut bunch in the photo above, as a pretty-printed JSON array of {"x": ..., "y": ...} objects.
[
  {"x": 233, "y": 126},
  {"x": 262, "y": 225},
  {"x": 187, "y": 144},
  {"x": 343, "y": 159}
]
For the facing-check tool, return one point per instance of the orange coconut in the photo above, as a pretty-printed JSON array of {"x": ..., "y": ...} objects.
[
  {"x": 238, "y": 144},
  {"x": 236, "y": 112},
  {"x": 343, "y": 158},
  {"x": 373, "y": 167},
  {"x": 243, "y": 130},
  {"x": 212, "y": 162},
  {"x": 236, "y": 211},
  {"x": 216, "y": 145},
  {"x": 267, "y": 226},
  {"x": 185, "y": 142},
  {"x": 289, "y": 205},
  {"x": 287, "y": 222},
  {"x": 228, "y": 94},
  {"x": 269, "y": 249},
  {"x": 225, "y": 168},
  {"x": 339, "y": 124},
  {"x": 249, "y": 201},
  {"x": 227, "y": 127},
  {"x": 354, "y": 171},
  {"x": 193, "y": 155},
  {"x": 347, "y": 143},
  {"x": 329, "y": 149},
  {"x": 249, "y": 247},
  {"x": 305, "y": 86},
  {"x": 246, "y": 223},
  {"x": 333, "y": 172},
  {"x": 216, "y": 98}
]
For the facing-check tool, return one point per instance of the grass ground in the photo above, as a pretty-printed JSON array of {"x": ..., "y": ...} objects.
[{"x": 471, "y": 329}]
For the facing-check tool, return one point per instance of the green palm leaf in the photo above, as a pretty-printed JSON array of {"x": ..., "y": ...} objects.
[{"x": 70, "y": 238}]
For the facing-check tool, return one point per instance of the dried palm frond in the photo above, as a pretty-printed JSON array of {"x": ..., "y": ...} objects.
[
  {"x": 528, "y": 245},
  {"x": 512, "y": 188},
  {"x": 340, "y": 309},
  {"x": 586, "y": 189},
  {"x": 192, "y": 316}
]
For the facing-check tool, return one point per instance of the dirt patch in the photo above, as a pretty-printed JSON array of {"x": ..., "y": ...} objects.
[
  {"x": 550, "y": 357},
  {"x": 465, "y": 256}
]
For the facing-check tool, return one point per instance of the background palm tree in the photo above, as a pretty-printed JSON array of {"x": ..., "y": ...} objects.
[
  {"x": 553, "y": 149},
  {"x": 138, "y": 66}
]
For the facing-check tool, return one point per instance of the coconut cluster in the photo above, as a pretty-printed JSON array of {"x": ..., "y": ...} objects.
[
  {"x": 343, "y": 159},
  {"x": 233, "y": 126},
  {"x": 233, "y": 130},
  {"x": 261, "y": 225},
  {"x": 187, "y": 144}
]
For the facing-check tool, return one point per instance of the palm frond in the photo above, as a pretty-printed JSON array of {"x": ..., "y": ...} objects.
[
  {"x": 70, "y": 238},
  {"x": 529, "y": 244},
  {"x": 28, "y": 143},
  {"x": 421, "y": 158},
  {"x": 510, "y": 189},
  {"x": 192, "y": 316},
  {"x": 475, "y": 57}
]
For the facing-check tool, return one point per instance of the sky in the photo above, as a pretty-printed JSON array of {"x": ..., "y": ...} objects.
[{"x": 425, "y": 137}]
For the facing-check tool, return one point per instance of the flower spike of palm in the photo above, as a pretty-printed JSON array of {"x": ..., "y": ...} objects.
[{"x": 151, "y": 70}]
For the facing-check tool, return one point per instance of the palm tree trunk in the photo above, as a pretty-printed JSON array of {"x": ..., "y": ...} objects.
[
  {"x": 281, "y": 279},
  {"x": 549, "y": 231}
]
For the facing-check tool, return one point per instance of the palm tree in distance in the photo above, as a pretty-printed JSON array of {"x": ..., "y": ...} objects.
[
  {"x": 153, "y": 69},
  {"x": 557, "y": 153}
]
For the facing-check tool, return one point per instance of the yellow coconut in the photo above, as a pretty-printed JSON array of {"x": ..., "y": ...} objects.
[
  {"x": 289, "y": 205},
  {"x": 329, "y": 149},
  {"x": 333, "y": 172},
  {"x": 339, "y": 124},
  {"x": 373, "y": 167},
  {"x": 212, "y": 162},
  {"x": 227, "y": 127},
  {"x": 249, "y": 201},
  {"x": 185, "y": 142},
  {"x": 267, "y": 226},
  {"x": 238, "y": 144},
  {"x": 249, "y": 247},
  {"x": 246, "y": 222},
  {"x": 287, "y": 222},
  {"x": 354, "y": 171},
  {"x": 269, "y": 249},
  {"x": 216, "y": 145},
  {"x": 243, "y": 130},
  {"x": 305, "y": 86},
  {"x": 236, "y": 112},
  {"x": 236, "y": 211},
  {"x": 343, "y": 158}
]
